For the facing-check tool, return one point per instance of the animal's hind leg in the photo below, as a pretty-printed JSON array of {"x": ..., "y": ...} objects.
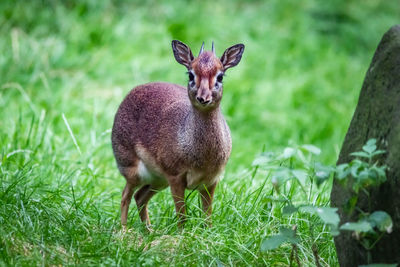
[
  {"x": 142, "y": 197},
  {"x": 132, "y": 181}
]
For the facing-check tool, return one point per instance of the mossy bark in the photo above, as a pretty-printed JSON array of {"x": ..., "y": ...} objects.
[{"x": 377, "y": 115}]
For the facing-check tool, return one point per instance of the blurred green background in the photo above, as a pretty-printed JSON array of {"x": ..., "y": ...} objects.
[
  {"x": 298, "y": 80},
  {"x": 70, "y": 63}
]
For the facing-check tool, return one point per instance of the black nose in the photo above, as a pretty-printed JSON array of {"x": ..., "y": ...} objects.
[{"x": 202, "y": 100}]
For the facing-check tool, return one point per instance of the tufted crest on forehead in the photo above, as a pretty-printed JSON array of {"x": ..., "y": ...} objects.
[{"x": 206, "y": 64}]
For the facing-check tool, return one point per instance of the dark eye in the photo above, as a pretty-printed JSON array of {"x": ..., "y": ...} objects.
[
  {"x": 191, "y": 77},
  {"x": 220, "y": 77}
]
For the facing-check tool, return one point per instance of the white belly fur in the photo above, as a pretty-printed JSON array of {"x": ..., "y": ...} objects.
[
  {"x": 150, "y": 174},
  {"x": 151, "y": 177},
  {"x": 194, "y": 179}
]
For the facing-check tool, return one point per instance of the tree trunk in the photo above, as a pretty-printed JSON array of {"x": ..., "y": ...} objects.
[{"x": 377, "y": 116}]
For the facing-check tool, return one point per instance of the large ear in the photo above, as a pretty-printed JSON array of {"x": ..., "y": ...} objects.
[
  {"x": 182, "y": 53},
  {"x": 232, "y": 56}
]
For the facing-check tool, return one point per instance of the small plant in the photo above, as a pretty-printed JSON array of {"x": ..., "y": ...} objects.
[
  {"x": 361, "y": 174},
  {"x": 296, "y": 176},
  {"x": 297, "y": 166}
]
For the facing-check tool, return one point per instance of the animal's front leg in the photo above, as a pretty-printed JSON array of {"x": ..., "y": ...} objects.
[
  {"x": 177, "y": 185},
  {"x": 207, "y": 195}
]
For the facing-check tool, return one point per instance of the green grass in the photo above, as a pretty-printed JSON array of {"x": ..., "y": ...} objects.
[{"x": 297, "y": 83}]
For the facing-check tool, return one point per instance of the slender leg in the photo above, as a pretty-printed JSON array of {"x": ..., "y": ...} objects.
[
  {"x": 125, "y": 201},
  {"x": 178, "y": 194},
  {"x": 142, "y": 197},
  {"x": 132, "y": 181},
  {"x": 207, "y": 195}
]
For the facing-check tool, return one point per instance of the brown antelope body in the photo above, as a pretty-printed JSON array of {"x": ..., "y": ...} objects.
[{"x": 167, "y": 135}]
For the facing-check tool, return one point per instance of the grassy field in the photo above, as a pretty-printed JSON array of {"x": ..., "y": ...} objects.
[{"x": 65, "y": 66}]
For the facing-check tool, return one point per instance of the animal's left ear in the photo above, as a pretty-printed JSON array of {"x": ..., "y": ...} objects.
[{"x": 232, "y": 56}]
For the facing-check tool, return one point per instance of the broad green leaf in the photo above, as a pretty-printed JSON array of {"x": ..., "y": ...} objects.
[
  {"x": 320, "y": 167},
  {"x": 282, "y": 171},
  {"x": 320, "y": 177},
  {"x": 365, "y": 178},
  {"x": 288, "y": 152},
  {"x": 382, "y": 221},
  {"x": 263, "y": 159},
  {"x": 342, "y": 171},
  {"x": 308, "y": 209},
  {"x": 361, "y": 154},
  {"x": 301, "y": 156},
  {"x": 357, "y": 162},
  {"x": 289, "y": 234},
  {"x": 355, "y": 169},
  {"x": 272, "y": 243},
  {"x": 370, "y": 146},
  {"x": 381, "y": 172},
  {"x": 285, "y": 235},
  {"x": 371, "y": 141},
  {"x": 280, "y": 176},
  {"x": 322, "y": 172},
  {"x": 334, "y": 230},
  {"x": 260, "y": 160},
  {"x": 351, "y": 204},
  {"x": 312, "y": 149},
  {"x": 301, "y": 176},
  {"x": 364, "y": 174},
  {"x": 378, "y": 152},
  {"x": 326, "y": 214},
  {"x": 289, "y": 209},
  {"x": 361, "y": 226}
]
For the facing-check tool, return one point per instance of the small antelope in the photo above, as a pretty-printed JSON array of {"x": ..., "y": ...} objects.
[{"x": 167, "y": 135}]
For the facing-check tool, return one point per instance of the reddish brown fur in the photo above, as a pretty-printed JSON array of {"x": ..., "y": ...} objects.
[
  {"x": 168, "y": 108},
  {"x": 163, "y": 137},
  {"x": 207, "y": 65}
]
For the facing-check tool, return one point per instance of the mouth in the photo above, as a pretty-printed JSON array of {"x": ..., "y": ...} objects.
[
  {"x": 201, "y": 101},
  {"x": 204, "y": 105}
]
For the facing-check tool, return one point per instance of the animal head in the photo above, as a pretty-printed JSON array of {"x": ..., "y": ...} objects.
[{"x": 206, "y": 72}]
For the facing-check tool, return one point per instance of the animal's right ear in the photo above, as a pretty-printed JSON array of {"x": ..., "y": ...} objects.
[{"x": 182, "y": 53}]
